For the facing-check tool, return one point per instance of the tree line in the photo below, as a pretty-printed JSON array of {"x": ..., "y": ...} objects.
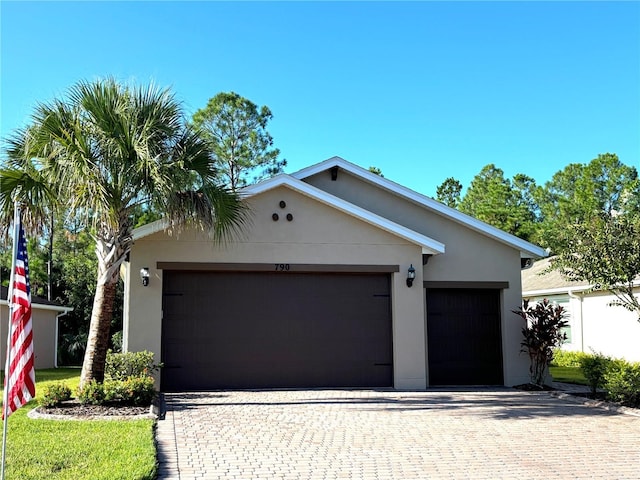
[
  {"x": 542, "y": 214},
  {"x": 587, "y": 216}
]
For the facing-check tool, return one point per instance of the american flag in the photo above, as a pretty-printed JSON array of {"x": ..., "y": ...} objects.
[{"x": 20, "y": 379}]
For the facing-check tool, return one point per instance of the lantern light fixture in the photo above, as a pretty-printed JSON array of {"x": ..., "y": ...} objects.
[
  {"x": 411, "y": 275},
  {"x": 144, "y": 276}
]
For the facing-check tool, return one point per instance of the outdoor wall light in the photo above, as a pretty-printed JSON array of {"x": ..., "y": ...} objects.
[
  {"x": 144, "y": 276},
  {"x": 411, "y": 275}
]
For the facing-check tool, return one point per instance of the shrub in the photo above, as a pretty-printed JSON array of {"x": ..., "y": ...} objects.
[
  {"x": 562, "y": 358},
  {"x": 622, "y": 382},
  {"x": 542, "y": 335},
  {"x": 120, "y": 366},
  {"x": 594, "y": 367},
  {"x": 92, "y": 393},
  {"x": 136, "y": 391},
  {"x": 55, "y": 394}
]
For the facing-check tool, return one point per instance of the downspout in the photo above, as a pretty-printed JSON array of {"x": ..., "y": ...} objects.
[
  {"x": 55, "y": 354},
  {"x": 580, "y": 298}
]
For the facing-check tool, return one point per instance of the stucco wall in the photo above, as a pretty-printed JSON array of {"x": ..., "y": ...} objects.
[
  {"x": 596, "y": 326},
  {"x": 470, "y": 256},
  {"x": 44, "y": 329},
  {"x": 318, "y": 234}
]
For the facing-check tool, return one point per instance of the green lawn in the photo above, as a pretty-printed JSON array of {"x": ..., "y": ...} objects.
[
  {"x": 568, "y": 375},
  {"x": 77, "y": 450}
]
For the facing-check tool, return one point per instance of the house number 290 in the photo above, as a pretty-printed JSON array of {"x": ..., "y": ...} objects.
[{"x": 282, "y": 267}]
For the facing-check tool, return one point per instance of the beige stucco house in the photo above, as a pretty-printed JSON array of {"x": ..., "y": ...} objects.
[
  {"x": 315, "y": 291},
  {"x": 44, "y": 318},
  {"x": 594, "y": 325}
]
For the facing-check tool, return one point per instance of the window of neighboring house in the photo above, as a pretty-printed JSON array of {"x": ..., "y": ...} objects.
[{"x": 565, "y": 302}]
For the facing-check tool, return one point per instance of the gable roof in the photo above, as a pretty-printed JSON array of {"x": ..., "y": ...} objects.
[
  {"x": 428, "y": 245},
  {"x": 527, "y": 249}
]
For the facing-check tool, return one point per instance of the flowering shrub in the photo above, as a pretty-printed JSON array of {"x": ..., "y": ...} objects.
[
  {"x": 92, "y": 393},
  {"x": 55, "y": 394}
]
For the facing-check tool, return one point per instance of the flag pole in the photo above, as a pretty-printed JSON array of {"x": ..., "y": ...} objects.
[{"x": 5, "y": 401}]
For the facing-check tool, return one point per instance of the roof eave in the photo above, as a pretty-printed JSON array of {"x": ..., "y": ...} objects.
[
  {"x": 527, "y": 249},
  {"x": 42, "y": 306}
]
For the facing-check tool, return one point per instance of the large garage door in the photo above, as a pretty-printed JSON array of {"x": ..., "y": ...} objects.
[
  {"x": 464, "y": 339},
  {"x": 260, "y": 330}
]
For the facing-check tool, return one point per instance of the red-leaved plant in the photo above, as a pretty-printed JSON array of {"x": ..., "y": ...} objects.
[{"x": 542, "y": 335}]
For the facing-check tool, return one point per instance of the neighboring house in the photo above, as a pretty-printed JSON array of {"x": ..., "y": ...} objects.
[
  {"x": 315, "y": 291},
  {"x": 594, "y": 325},
  {"x": 44, "y": 317}
]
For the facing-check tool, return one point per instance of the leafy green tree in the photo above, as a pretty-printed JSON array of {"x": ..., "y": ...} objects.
[
  {"x": 101, "y": 152},
  {"x": 448, "y": 192},
  {"x": 605, "y": 252},
  {"x": 525, "y": 205},
  {"x": 493, "y": 199},
  {"x": 241, "y": 145},
  {"x": 581, "y": 192}
]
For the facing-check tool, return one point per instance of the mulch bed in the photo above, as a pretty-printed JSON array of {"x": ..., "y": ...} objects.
[{"x": 75, "y": 408}]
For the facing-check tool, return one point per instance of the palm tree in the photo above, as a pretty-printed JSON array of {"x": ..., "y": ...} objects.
[{"x": 101, "y": 153}]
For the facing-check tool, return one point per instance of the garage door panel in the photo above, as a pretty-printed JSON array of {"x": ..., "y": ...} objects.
[
  {"x": 244, "y": 330},
  {"x": 464, "y": 337}
]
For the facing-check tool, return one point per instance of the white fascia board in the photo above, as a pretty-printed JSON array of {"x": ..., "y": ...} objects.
[
  {"x": 555, "y": 291},
  {"x": 561, "y": 290},
  {"x": 429, "y": 245},
  {"x": 527, "y": 249},
  {"x": 150, "y": 229},
  {"x": 41, "y": 306}
]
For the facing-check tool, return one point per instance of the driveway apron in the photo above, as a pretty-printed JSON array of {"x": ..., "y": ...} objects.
[{"x": 385, "y": 434}]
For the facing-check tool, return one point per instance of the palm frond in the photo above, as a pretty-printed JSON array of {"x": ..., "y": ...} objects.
[{"x": 23, "y": 180}]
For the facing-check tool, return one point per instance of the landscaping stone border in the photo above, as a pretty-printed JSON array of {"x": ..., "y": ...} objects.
[{"x": 39, "y": 413}]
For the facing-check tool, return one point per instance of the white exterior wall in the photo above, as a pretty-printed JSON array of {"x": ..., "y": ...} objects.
[
  {"x": 43, "y": 323},
  {"x": 598, "y": 327}
]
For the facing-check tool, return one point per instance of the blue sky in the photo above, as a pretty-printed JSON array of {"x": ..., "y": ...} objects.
[{"x": 422, "y": 90}]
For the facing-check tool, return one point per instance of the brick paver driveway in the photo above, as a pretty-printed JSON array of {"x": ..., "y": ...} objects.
[{"x": 344, "y": 434}]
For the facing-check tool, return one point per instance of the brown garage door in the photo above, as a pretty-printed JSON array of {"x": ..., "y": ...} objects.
[
  {"x": 261, "y": 330},
  {"x": 464, "y": 339}
]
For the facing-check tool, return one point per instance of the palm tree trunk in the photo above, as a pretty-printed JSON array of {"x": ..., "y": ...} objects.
[
  {"x": 111, "y": 250},
  {"x": 98, "y": 342}
]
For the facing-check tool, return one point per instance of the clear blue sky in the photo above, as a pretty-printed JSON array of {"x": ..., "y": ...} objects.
[{"x": 422, "y": 90}]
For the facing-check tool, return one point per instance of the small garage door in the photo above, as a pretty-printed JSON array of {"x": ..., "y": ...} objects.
[
  {"x": 261, "y": 330},
  {"x": 464, "y": 337}
]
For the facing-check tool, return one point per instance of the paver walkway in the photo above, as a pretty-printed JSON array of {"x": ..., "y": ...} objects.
[{"x": 363, "y": 434}]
